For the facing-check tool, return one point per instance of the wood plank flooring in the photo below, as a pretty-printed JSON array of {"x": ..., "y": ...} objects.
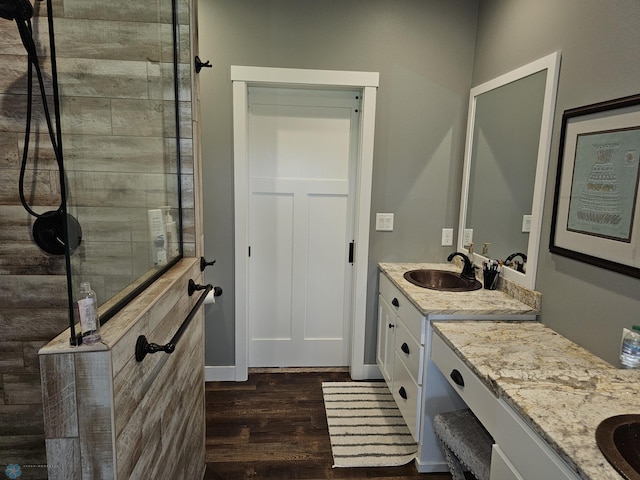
[{"x": 274, "y": 427}]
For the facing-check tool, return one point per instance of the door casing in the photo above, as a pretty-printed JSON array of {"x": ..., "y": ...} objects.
[{"x": 367, "y": 82}]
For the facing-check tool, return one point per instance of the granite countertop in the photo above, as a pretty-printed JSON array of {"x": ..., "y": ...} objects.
[
  {"x": 560, "y": 389},
  {"x": 518, "y": 301}
]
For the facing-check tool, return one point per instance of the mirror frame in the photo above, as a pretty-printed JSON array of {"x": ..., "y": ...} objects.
[{"x": 551, "y": 63}]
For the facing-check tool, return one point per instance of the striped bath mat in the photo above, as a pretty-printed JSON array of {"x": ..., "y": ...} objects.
[{"x": 365, "y": 426}]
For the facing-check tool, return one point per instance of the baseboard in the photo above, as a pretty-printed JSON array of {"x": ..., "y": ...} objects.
[
  {"x": 228, "y": 373},
  {"x": 372, "y": 372},
  {"x": 220, "y": 374}
]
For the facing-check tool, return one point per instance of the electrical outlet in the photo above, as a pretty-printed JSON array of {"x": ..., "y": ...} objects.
[
  {"x": 447, "y": 237},
  {"x": 526, "y": 223},
  {"x": 467, "y": 238},
  {"x": 384, "y": 222}
]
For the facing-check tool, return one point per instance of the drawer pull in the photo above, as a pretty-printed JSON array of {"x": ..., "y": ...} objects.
[
  {"x": 403, "y": 393},
  {"x": 456, "y": 376},
  {"x": 391, "y": 325},
  {"x": 395, "y": 302},
  {"x": 405, "y": 348}
]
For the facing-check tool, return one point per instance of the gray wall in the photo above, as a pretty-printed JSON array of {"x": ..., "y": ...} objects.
[
  {"x": 599, "y": 42},
  {"x": 424, "y": 53}
]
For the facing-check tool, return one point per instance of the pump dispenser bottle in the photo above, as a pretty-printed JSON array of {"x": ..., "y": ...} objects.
[{"x": 88, "y": 313}]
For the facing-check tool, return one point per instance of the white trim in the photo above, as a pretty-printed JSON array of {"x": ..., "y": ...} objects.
[
  {"x": 242, "y": 77},
  {"x": 372, "y": 372},
  {"x": 551, "y": 63},
  {"x": 219, "y": 374},
  {"x": 241, "y": 192},
  {"x": 292, "y": 76},
  {"x": 364, "y": 178}
]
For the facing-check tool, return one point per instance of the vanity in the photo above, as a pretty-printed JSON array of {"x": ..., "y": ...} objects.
[
  {"x": 405, "y": 316},
  {"x": 539, "y": 395}
]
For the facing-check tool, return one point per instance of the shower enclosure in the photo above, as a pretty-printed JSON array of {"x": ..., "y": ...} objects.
[{"x": 123, "y": 72}]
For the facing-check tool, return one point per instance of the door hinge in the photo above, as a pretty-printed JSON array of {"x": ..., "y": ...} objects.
[{"x": 351, "y": 249}]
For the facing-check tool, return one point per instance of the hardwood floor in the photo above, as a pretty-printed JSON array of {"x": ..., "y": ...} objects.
[{"x": 274, "y": 427}]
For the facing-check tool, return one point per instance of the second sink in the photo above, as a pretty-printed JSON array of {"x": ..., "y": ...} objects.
[
  {"x": 443, "y": 280},
  {"x": 619, "y": 440}
]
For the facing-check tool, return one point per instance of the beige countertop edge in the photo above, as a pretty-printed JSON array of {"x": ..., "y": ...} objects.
[
  {"x": 478, "y": 302},
  {"x": 538, "y": 396},
  {"x": 125, "y": 319}
]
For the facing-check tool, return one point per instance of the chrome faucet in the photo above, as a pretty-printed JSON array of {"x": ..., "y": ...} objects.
[{"x": 468, "y": 271}]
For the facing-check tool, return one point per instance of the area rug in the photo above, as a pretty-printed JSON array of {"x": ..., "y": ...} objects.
[{"x": 365, "y": 426}]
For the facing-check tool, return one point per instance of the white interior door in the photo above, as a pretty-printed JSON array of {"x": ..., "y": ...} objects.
[{"x": 302, "y": 151}]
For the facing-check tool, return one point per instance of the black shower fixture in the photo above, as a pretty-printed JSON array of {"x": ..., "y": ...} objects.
[
  {"x": 49, "y": 232},
  {"x": 53, "y": 231}
]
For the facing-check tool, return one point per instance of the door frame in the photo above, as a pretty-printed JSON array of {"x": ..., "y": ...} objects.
[{"x": 242, "y": 78}]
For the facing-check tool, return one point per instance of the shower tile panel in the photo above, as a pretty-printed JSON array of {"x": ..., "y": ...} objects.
[
  {"x": 39, "y": 291},
  {"x": 31, "y": 415},
  {"x": 141, "y": 10},
  {"x": 21, "y": 323},
  {"x": 95, "y": 189},
  {"x": 86, "y": 116},
  {"x": 69, "y": 449},
  {"x": 109, "y": 258},
  {"x": 13, "y": 118},
  {"x": 117, "y": 153},
  {"x": 11, "y": 357},
  {"x": 93, "y": 387},
  {"x": 82, "y": 77},
  {"x": 111, "y": 40},
  {"x": 25, "y": 258},
  {"x": 9, "y": 157},
  {"x": 30, "y": 352},
  {"x": 22, "y": 388},
  {"x": 59, "y": 396},
  {"x": 144, "y": 118},
  {"x": 186, "y": 125}
]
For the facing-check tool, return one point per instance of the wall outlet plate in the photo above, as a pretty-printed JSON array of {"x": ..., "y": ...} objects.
[
  {"x": 526, "y": 223},
  {"x": 384, "y": 222},
  {"x": 447, "y": 237}
]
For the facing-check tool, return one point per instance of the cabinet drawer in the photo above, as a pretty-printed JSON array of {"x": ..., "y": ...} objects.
[
  {"x": 525, "y": 450},
  {"x": 410, "y": 351},
  {"x": 474, "y": 393},
  {"x": 407, "y": 395},
  {"x": 410, "y": 315}
]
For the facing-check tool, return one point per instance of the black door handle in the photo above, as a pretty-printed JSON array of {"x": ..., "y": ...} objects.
[
  {"x": 391, "y": 325},
  {"x": 456, "y": 376},
  {"x": 395, "y": 302},
  {"x": 405, "y": 348},
  {"x": 403, "y": 393}
]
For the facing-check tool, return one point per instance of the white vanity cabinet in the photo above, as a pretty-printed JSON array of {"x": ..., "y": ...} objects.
[
  {"x": 404, "y": 343},
  {"x": 400, "y": 353},
  {"x": 518, "y": 453},
  {"x": 417, "y": 386}
]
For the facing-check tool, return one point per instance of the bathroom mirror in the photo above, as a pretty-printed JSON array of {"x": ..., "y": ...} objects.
[{"x": 505, "y": 166}]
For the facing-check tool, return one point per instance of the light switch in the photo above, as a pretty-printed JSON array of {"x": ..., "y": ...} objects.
[
  {"x": 384, "y": 222},
  {"x": 467, "y": 238},
  {"x": 526, "y": 223}
]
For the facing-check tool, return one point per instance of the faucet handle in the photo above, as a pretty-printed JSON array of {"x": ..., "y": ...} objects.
[{"x": 469, "y": 247}]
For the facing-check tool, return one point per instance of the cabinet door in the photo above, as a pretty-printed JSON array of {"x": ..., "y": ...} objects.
[
  {"x": 386, "y": 338},
  {"x": 501, "y": 468}
]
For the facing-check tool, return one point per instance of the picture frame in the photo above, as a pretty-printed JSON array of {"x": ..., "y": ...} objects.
[{"x": 596, "y": 218}]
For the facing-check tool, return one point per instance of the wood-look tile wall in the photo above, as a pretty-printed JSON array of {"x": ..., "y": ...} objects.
[
  {"x": 33, "y": 292},
  {"x": 110, "y": 416}
]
